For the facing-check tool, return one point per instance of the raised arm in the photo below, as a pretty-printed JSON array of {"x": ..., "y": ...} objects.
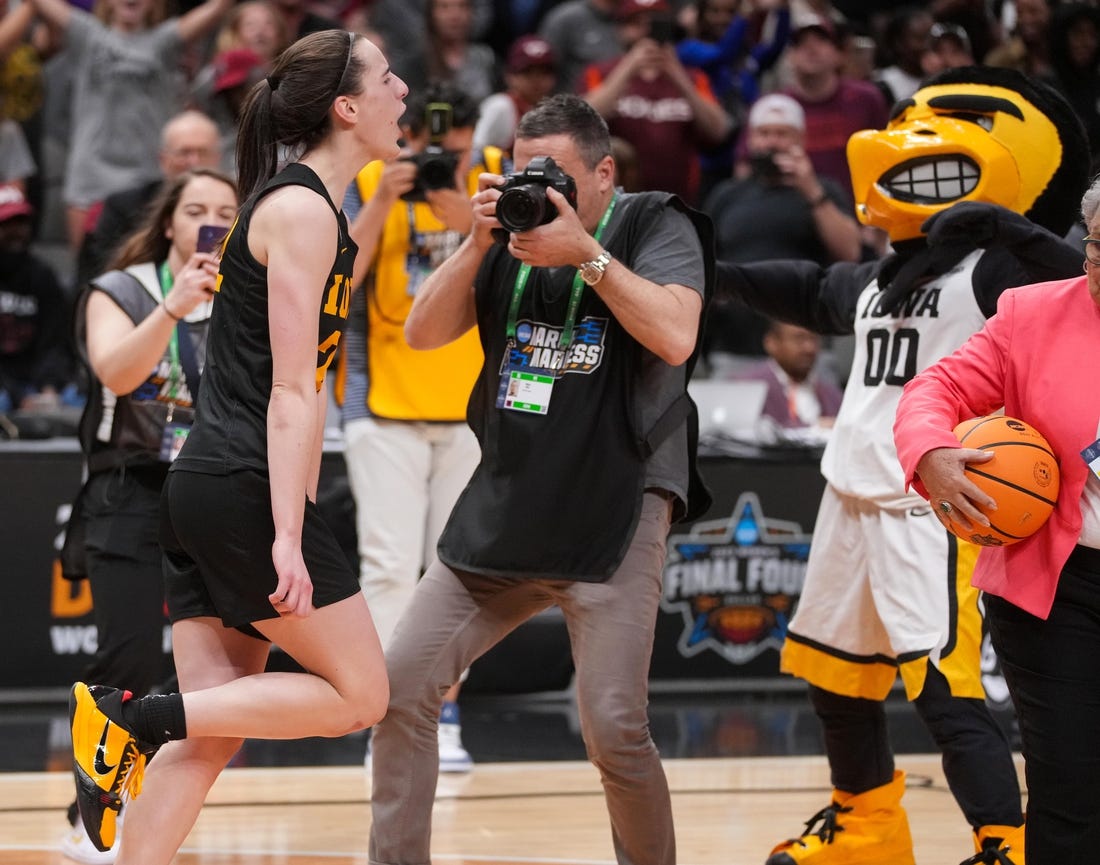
[
  {"x": 711, "y": 121},
  {"x": 696, "y": 52},
  {"x": 1019, "y": 251},
  {"x": 203, "y": 19},
  {"x": 393, "y": 180},
  {"x": 14, "y": 27},
  {"x": 56, "y": 12},
  {"x": 664, "y": 317},
  {"x": 123, "y": 354}
]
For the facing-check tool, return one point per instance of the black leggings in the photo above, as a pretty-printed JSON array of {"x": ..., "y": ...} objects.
[
  {"x": 1052, "y": 668},
  {"x": 977, "y": 759}
]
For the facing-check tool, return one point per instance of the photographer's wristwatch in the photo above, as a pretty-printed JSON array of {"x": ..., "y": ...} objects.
[{"x": 593, "y": 271}]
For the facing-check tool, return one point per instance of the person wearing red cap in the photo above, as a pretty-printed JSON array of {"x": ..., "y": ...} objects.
[
  {"x": 35, "y": 363},
  {"x": 650, "y": 100},
  {"x": 835, "y": 106},
  {"x": 235, "y": 72},
  {"x": 255, "y": 27},
  {"x": 529, "y": 75}
]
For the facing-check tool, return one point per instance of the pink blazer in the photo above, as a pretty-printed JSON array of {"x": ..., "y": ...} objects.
[{"x": 1038, "y": 358}]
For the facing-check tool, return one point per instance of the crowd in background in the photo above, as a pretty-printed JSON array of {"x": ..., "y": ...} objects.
[{"x": 89, "y": 94}]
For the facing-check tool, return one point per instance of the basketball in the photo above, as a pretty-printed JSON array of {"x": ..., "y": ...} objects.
[{"x": 1022, "y": 478}]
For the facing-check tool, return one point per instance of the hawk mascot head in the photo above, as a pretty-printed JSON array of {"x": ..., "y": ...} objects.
[{"x": 971, "y": 134}]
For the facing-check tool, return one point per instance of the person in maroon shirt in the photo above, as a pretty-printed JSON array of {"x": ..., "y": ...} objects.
[
  {"x": 835, "y": 106},
  {"x": 651, "y": 101}
]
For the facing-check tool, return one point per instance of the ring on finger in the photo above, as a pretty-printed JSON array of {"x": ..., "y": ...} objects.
[{"x": 945, "y": 508}]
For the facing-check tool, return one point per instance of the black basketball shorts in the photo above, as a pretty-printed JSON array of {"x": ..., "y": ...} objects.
[{"x": 217, "y": 531}]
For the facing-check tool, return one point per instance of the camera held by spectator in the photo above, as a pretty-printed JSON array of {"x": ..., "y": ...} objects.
[{"x": 435, "y": 165}]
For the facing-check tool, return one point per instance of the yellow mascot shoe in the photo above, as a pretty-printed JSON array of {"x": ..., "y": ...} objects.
[
  {"x": 998, "y": 845},
  {"x": 868, "y": 828},
  {"x": 108, "y": 761}
]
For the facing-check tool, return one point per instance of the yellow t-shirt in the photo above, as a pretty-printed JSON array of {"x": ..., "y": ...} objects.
[{"x": 403, "y": 383}]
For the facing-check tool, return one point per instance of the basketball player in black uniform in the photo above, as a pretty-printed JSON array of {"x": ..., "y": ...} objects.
[{"x": 247, "y": 556}]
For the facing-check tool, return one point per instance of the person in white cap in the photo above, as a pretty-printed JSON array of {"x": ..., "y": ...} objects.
[{"x": 776, "y": 207}]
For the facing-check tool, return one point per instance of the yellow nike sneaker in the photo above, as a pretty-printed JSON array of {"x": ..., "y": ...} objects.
[{"x": 108, "y": 761}]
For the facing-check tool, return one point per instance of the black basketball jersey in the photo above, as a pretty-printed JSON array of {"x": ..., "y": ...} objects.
[{"x": 230, "y": 430}]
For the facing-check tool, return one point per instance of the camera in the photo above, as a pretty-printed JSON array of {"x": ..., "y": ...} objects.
[
  {"x": 763, "y": 166},
  {"x": 435, "y": 167},
  {"x": 523, "y": 203}
]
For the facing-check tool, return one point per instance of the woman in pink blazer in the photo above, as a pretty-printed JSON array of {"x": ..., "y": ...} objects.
[{"x": 1038, "y": 358}]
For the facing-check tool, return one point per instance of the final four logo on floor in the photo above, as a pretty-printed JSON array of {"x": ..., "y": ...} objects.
[{"x": 736, "y": 582}]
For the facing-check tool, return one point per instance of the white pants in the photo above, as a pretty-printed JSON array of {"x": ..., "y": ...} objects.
[{"x": 405, "y": 477}]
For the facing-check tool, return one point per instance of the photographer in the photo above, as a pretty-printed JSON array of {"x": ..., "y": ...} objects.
[
  {"x": 594, "y": 316},
  {"x": 777, "y": 207},
  {"x": 408, "y": 450}
]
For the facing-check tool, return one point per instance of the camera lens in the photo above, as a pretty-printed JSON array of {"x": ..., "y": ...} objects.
[{"x": 521, "y": 208}]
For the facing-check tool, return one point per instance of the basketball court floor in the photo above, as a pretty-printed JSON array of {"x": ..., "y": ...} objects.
[{"x": 744, "y": 768}]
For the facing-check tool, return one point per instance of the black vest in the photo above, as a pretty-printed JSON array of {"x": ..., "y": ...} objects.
[
  {"x": 127, "y": 429},
  {"x": 558, "y": 496}
]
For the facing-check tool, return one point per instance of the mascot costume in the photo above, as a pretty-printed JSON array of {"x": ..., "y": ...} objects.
[{"x": 976, "y": 179}]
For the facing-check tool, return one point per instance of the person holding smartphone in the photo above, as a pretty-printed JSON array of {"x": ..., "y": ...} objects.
[
  {"x": 141, "y": 330},
  {"x": 650, "y": 100}
]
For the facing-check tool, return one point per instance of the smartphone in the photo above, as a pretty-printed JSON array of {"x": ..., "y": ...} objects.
[
  {"x": 663, "y": 29},
  {"x": 210, "y": 237}
]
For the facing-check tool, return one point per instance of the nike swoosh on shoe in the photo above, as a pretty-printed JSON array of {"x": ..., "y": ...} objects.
[{"x": 99, "y": 764}]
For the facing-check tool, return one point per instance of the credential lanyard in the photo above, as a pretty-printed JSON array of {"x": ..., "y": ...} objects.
[
  {"x": 178, "y": 347},
  {"x": 566, "y": 338}
]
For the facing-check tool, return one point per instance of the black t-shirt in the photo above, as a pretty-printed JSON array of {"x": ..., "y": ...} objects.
[
  {"x": 230, "y": 430},
  {"x": 34, "y": 351},
  {"x": 557, "y": 495}
]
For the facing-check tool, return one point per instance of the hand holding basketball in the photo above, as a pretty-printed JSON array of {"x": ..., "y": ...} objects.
[
  {"x": 999, "y": 488},
  {"x": 953, "y": 496}
]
